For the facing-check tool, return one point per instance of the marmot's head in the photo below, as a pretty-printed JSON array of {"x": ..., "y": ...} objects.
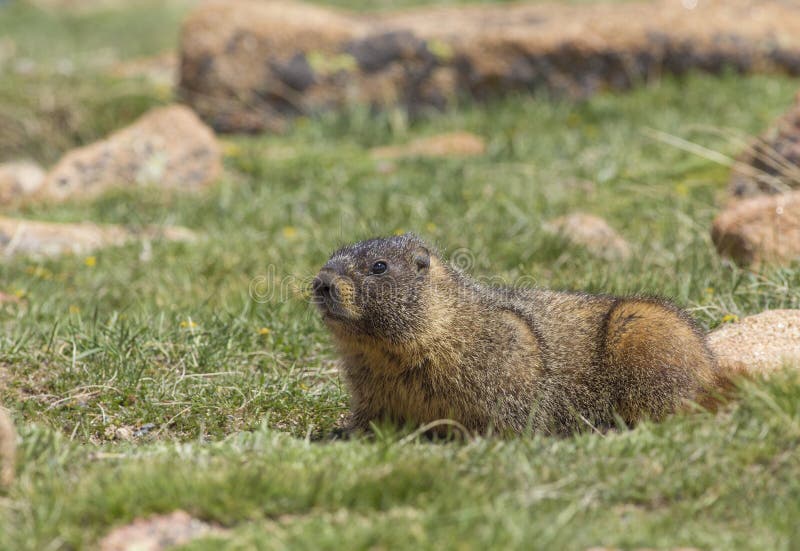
[{"x": 376, "y": 287}]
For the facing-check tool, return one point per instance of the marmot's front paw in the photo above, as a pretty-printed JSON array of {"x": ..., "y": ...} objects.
[{"x": 355, "y": 425}]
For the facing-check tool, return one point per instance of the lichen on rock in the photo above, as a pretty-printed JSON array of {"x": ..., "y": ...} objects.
[{"x": 251, "y": 66}]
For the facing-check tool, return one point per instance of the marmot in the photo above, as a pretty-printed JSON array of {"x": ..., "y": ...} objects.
[{"x": 420, "y": 341}]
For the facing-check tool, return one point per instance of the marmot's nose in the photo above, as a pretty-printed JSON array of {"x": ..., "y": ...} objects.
[{"x": 323, "y": 284}]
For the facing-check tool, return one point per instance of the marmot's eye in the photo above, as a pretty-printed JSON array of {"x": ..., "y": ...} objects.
[{"x": 379, "y": 267}]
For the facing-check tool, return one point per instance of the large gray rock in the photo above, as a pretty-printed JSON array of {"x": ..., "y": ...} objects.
[{"x": 249, "y": 65}]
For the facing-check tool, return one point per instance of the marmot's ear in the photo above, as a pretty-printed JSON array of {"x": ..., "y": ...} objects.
[{"x": 422, "y": 259}]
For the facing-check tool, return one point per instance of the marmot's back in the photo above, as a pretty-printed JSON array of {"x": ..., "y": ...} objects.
[
  {"x": 627, "y": 356},
  {"x": 571, "y": 324},
  {"x": 420, "y": 341}
]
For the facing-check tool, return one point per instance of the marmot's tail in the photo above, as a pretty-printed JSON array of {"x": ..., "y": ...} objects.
[{"x": 725, "y": 385}]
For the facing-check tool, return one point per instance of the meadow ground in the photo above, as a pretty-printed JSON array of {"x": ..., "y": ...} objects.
[{"x": 229, "y": 388}]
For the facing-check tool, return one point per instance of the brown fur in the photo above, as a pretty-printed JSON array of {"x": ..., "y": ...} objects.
[
  {"x": 422, "y": 342},
  {"x": 8, "y": 441}
]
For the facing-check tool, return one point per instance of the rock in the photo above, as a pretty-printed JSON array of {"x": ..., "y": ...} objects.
[
  {"x": 157, "y": 533},
  {"x": 124, "y": 434},
  {"x": 251, "y": 48},
  {"x": 250, "y": 66},
  {"x": 771, "y": 163},
  {"x": 759, "y": 229},
  {"x": 593, "y": 233},
  {"x": 454, "y": 144},
  {"x": 6, "y": 298},
  {"x": 8, "y": 445},
  {"x": 759, "y": 344},
  {"x": 45, "y": 239},
  {"x": 143, "y": 430},
  {"x": 19, "y": 179},
  {"x": 168, "y": 147},
  {"x": 166, "y": 233}
]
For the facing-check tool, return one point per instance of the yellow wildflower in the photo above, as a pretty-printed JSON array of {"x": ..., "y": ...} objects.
[
  {"x": 264, "y": 331},
  {"x": 39, "y": 271},
  {"x": 289, "y": 232},
  {"x": 188, "y": 324},
  {"x": 573, "y": 120},
  {"x": 90, "y": 261},
  {"x": 730, "y": 318},
  {"x": 230, "y": 149},
  {"x": 163, "y": 92},
  {"x": 74, "y": 309}
]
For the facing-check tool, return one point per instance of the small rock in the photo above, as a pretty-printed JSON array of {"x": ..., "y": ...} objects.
[
  {"x": 453, "y": 144},
  {"x": 593, "y": 233},
  {"x": 168, "y": 233},
  {"x": 6, "y": 298},
  {"x": 124, "y": 434},
  {"x": 169, "y": 147},
  {"x": 157, "y": 533},
  {"x": 759, "y": 344},
  {"x": 760, "y": 229},
  {"x": 19, "y": 179},
  {"x": 8, "y": 445},
  {"x": 143, "y": 430},
  {"x": 18, "y": 236},
  {"x": 45, "y": 239}
]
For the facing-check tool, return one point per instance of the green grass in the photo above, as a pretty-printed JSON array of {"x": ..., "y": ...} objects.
[
  {"x": 57, "y": 90},
  {"x": 176, "y": 340},
  {"x": 721, "y": 482}
]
